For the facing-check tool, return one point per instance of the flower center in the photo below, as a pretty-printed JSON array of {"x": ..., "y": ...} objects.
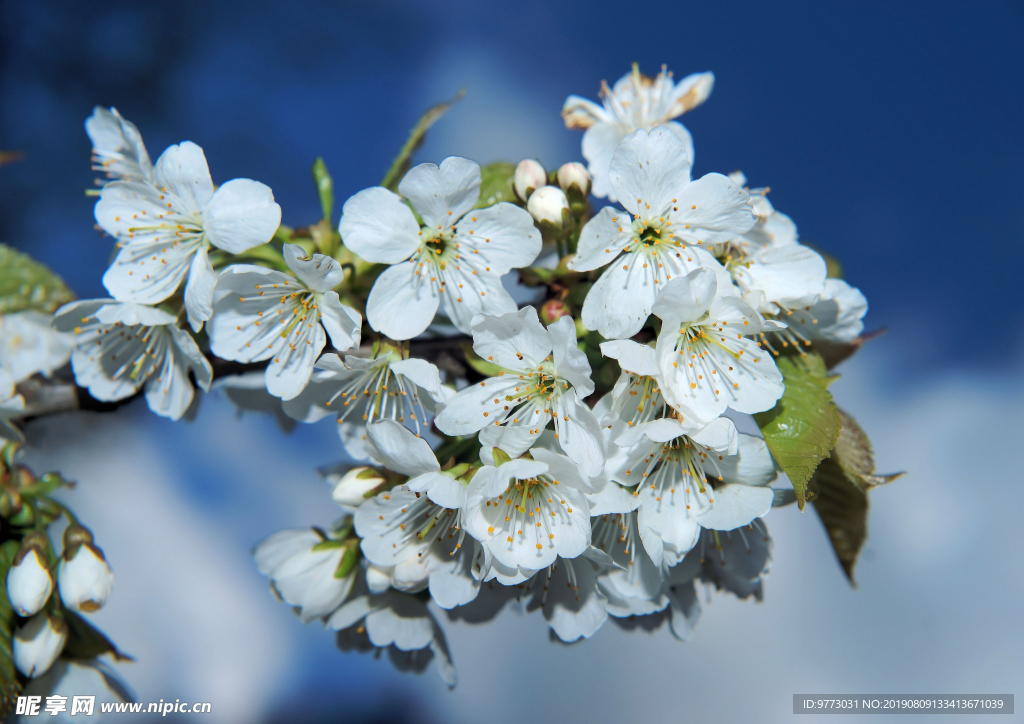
[{"x": 378, "y": 393}]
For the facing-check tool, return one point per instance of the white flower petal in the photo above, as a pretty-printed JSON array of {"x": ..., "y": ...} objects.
[
  {"x": 649, "y": 170},
  {"x": 570, "y": 361},
  {"x": 241, "y": 214},
  {"x": 202, "y": 280},
  {"x": 400, "y": 304},
  {"x": 291, "y": 366},
  {"x": 183, "y": 170},
  {"x": 405, "y": 623},
  {"x": 476, "y": 406},
  {"x": 601, "y": 239},
  {"x": 579, "y": 434},
  {"x": 440, "y": 489},
  {"x": 442, "y": 194},
  {"x": 612, "y": 499},
  {"x": 684, "y": 135},
  {"x": 318, "y": 272},
  {"x": 751, "y": 465},
  {"x": 572, "y": 606},
  {"x": 400, "y": 449},
  {"x": 686, "y": 299},
  {"x": 512, "y": 439},
  {"x": 735, "y": 506},
  {"x": 424, "y": 375},
  {"x": 582, "y": 113},
  {"x": 719, "y": 435},
  {"x": 515, "y": 341},
  {"x": 503, "y": 235},
  {"x": 711, "y": 209},
  {"x": 343, "y": 324},
  {"x": 599, "y": 144},
  {"x": 632, "y": 356},
  {"x": 619, "y": 303},
  {"x": 378, "y": 226},
  {"x": 466, "y": 295},
  {"x": 117, "y": 146}
]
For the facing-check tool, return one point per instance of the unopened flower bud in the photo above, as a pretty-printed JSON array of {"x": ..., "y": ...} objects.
[
  {"x": 529, "y": 177},
  {"x": 83, "y": 576},
  {"x": 356, "y": 486},
  {"x": 38, "y": 643},
  {"x": 306, "y": 570},
  {"x": 552, "y": 310},
  {"x": 29, "y": 583},
  {"x": 574, "y": 176},
  {"x": 547, "y": 205}
]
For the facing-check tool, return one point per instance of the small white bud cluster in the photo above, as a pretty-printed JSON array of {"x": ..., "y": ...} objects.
[{"x": 84, "y": 581}]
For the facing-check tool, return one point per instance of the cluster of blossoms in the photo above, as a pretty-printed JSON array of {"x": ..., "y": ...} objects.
[{"x": 561, "y": 439}]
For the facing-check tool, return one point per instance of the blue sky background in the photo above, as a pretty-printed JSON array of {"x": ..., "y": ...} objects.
[{"x": 890, "y": 132}]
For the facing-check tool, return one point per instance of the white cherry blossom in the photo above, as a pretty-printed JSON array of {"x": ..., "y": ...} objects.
[
  {"x": 528, "y": 512},
  {"x": 669, "y": 225},
  {"x": 121, "y": 347},
  {"x": 544, "y": 376},
  {"x": 359, "y": 391},
  {"x": 707, "y": 360},
  {"x": 458, "y": 255},
  {"x": 670, "y": 469},
  {"x": 771, "y": 269},
  {"x": 636, "y": 403},
  {"x": 264, "y": 314},
  {"x": 568, "y": 595},
  {"x": 117, "y": 147},
  {"x": 398, "y": 622},
  {"x": 29, "y": 344},
  {"x": 164, "y": 229},
  {"x": 634, "y": 102},
  {"x": 837, "y": 316}
]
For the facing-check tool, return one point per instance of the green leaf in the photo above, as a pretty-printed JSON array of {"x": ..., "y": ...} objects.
[
  {"x": 85, "y": 641},
  {"x": 27, "y": 284},
  {"x": 9, "y": 684},
  {"x": 487, "y": 369},
  {"x": 496, "y": 184},
  {"x": 843, "y": 508},
  {"x": 803, "y": 426},
  {"x": 404, "y": 158},
  {"x": 324, "y": 187},
  {"x": 840, "y": 486}
]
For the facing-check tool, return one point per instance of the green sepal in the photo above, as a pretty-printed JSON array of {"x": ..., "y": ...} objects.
[
  {"x": 45, "y": 484},
  {"x": 478, "y": 363},
  {"x": 803, "y": 426},
  {"x": 456, "y": 471},
  {"x": 349, "y": 558},
  {"x": 85, "y": 641},
  {"x": 500, "y": 457},
  {"x": 324, "y": 188},
  {"x": 496, "y": 185},
  {"x": 26, "y": 284}
]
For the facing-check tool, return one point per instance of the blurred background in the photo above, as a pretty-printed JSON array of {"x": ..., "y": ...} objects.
[{"x": 891, "y": 133}]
